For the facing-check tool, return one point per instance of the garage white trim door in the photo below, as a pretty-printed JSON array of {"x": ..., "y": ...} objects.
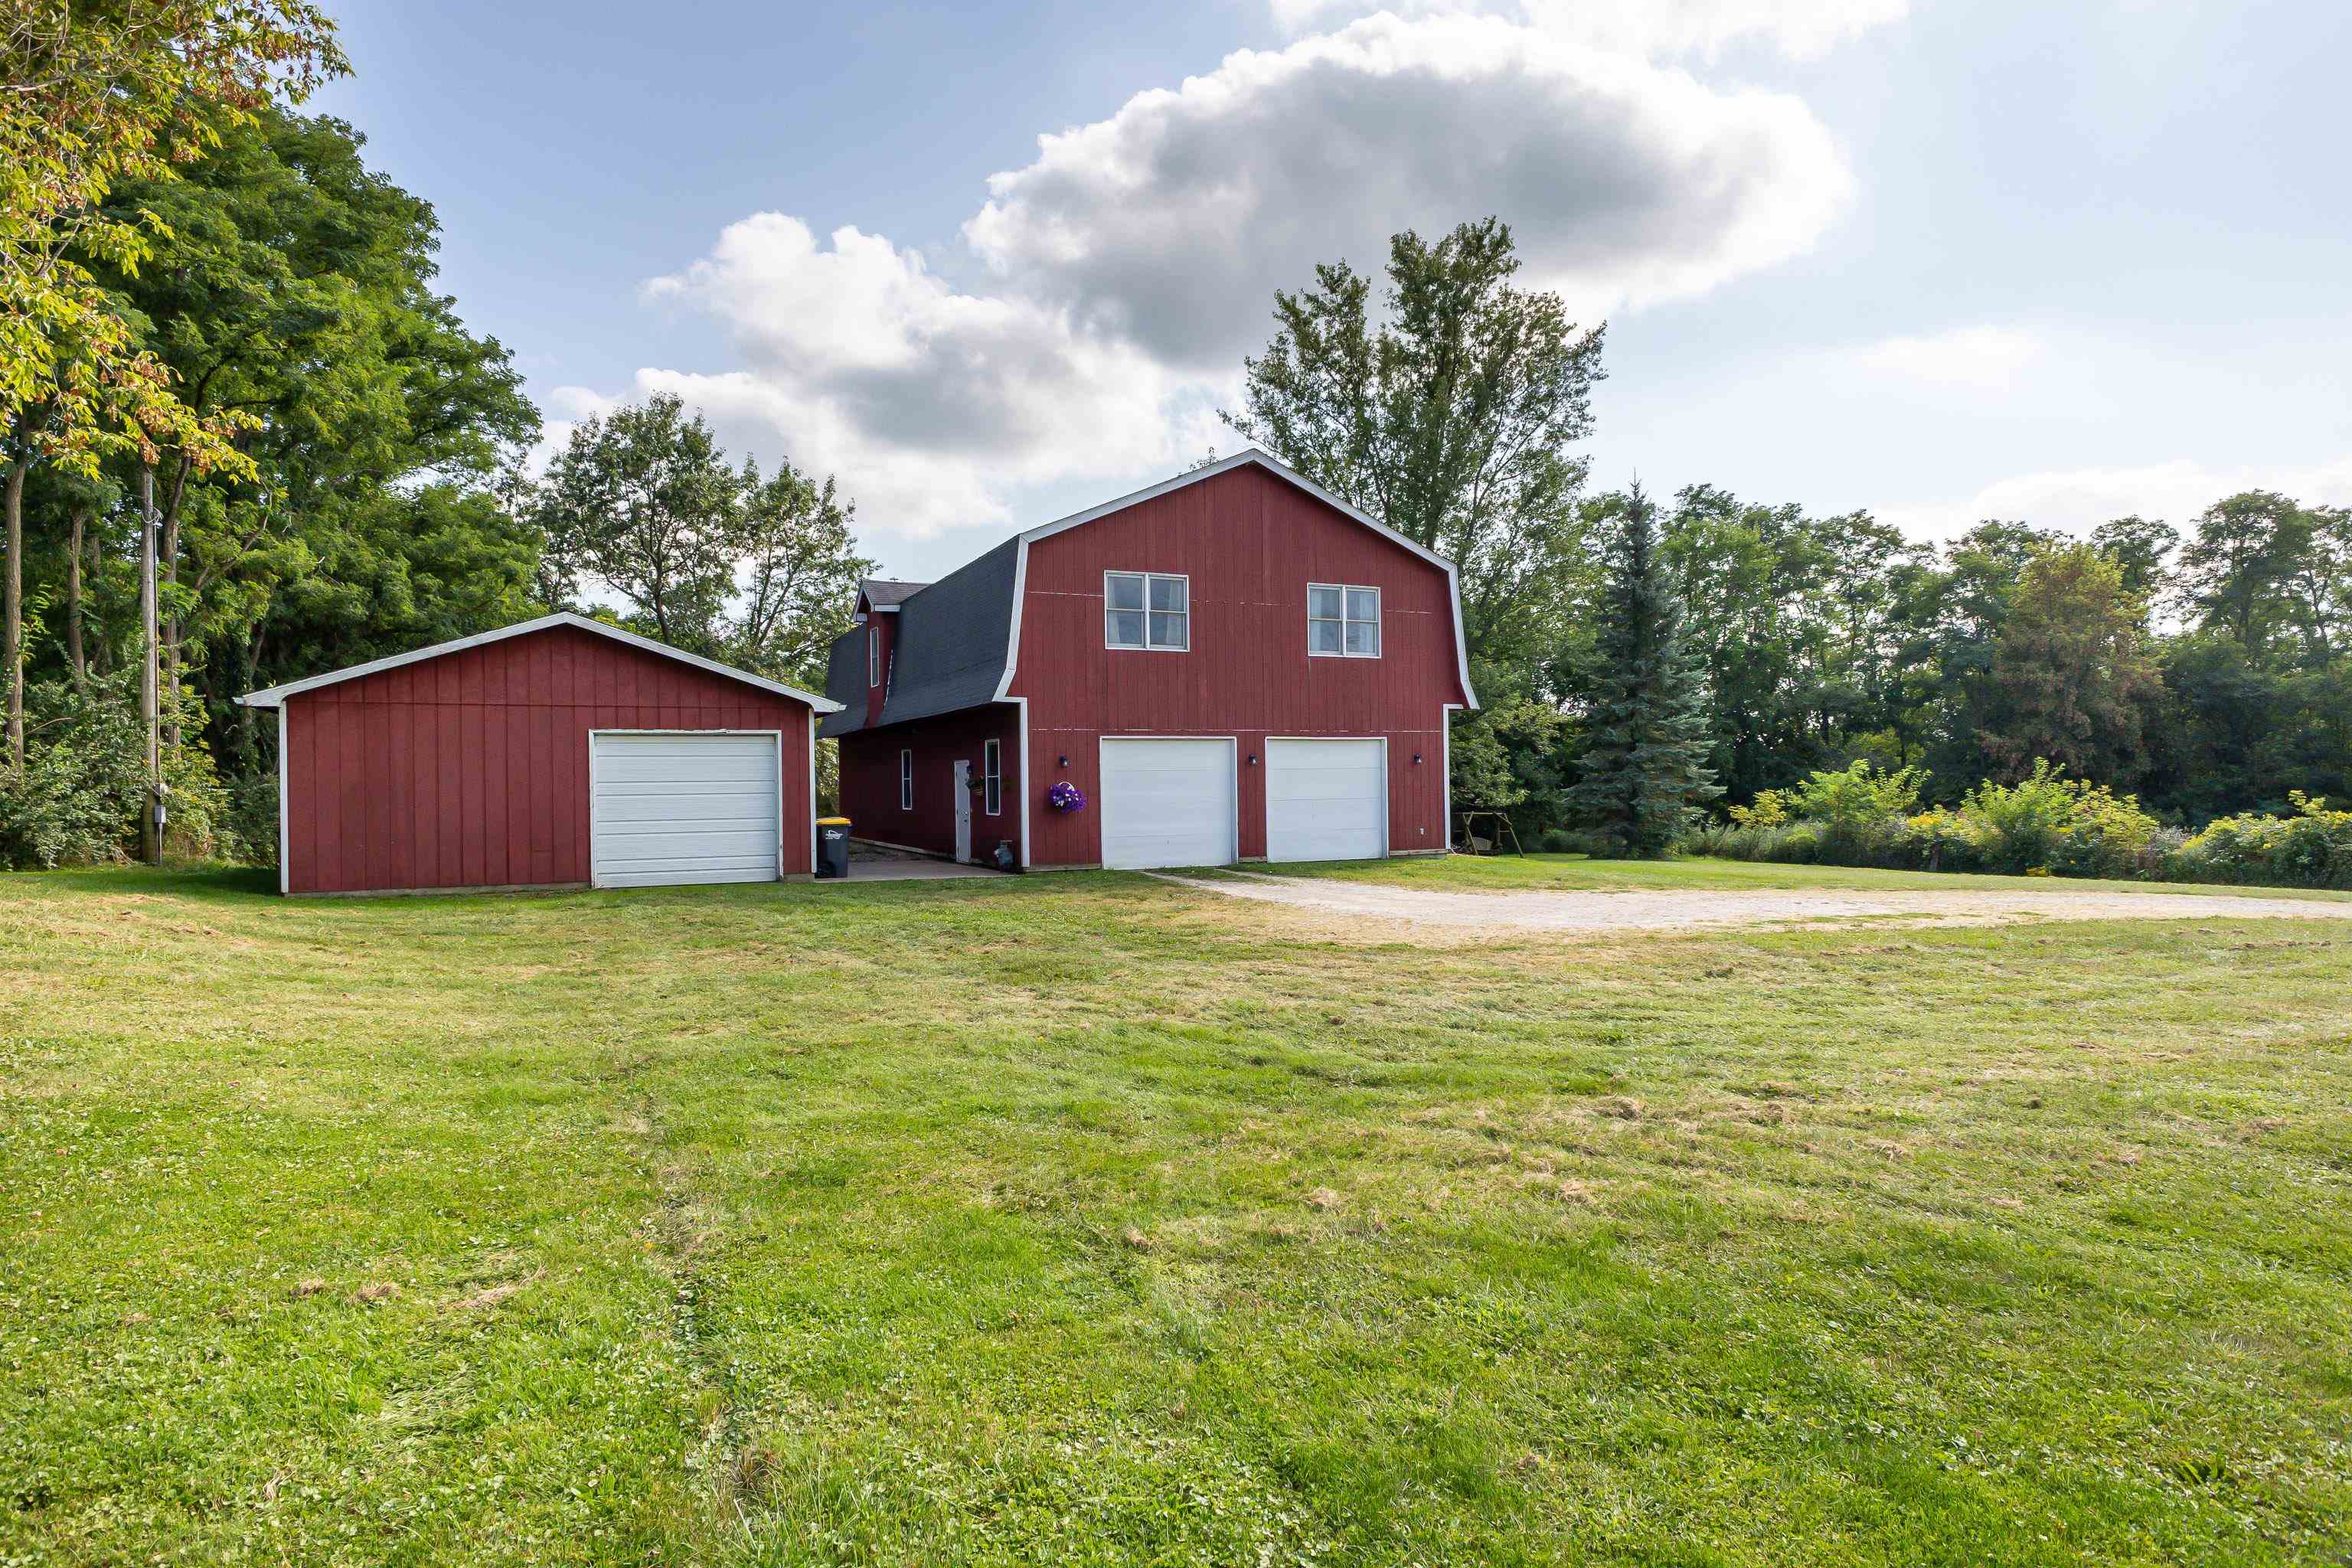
[
  {"x": 1327, "y": 800},
  {"x": 670, "y": 806},
  {"x": 1168, "y": 802}
]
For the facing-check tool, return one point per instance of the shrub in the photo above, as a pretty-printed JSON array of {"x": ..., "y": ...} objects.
[
  {"x": 2047, "y": 820},
  {"x": 1770, "y": 809},
  {"x": 85, "y": 781},
  {"x": 2312, "y": 848},
  {"x": 2044, "y": 825},
  {"x": 1856, "y": 796}
]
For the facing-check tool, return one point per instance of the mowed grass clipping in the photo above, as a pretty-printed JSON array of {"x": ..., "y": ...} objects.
[{"x": 1082, "y": 1219}]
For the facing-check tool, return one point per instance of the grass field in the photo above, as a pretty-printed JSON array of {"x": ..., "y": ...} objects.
[{"x": 1090, "y": 1219}]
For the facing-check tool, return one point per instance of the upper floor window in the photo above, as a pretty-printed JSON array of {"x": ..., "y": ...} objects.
[
  {"x": 991, "y": 777},
  {"x": 874, "y": 656},
  {"x": 1147, "y": 610},
  {"x": 1343, "y": 621}
]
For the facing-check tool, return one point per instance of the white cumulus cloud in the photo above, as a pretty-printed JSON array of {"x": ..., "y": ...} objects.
[
  {"x": 861, "y": 360},
  {"x": 1090, "y": 317},
  {"x": 1173, "y": 221}
]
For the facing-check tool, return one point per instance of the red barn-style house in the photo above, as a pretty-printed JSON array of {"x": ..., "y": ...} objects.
[
  {"x": 560, "y": 752},
  {"x": 1234, "y": 665}
]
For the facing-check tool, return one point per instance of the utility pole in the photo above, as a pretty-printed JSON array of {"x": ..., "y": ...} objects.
[{"x": 150, "y": 821}]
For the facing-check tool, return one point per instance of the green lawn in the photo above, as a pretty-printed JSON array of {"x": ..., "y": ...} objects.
[{"x": 1091, "y": 1219}]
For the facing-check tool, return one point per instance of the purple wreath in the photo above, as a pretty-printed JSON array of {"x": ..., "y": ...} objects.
[{"x": 1066, "y": 796}]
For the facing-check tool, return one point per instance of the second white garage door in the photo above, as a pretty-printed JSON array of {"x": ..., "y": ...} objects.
[
  {"x": 676, "y": 806},
  {"x": 1167, "y": 802},
  {"x": 1327, "y": 800}
]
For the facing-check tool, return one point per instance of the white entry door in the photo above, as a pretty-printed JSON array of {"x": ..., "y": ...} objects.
[
  {"x": 683, "y": 806},
  {"x": 1167, "y": 802},
  {"x": 1327, "y": 800},
  {"x": 963, "y": 810}
]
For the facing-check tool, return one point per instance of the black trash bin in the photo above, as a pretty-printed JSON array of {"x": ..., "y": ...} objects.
[{"x": 833, "y": 846}]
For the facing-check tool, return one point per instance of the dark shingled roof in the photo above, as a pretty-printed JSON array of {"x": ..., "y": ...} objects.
[
  {"x": 883, "y": 594},
  {"x": 949, "y": 651}
]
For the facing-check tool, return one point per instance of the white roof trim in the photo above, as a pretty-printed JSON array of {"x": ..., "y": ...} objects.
[
  {"x": 1208, "y": 472},
  {"x": 272, "y": 697}
]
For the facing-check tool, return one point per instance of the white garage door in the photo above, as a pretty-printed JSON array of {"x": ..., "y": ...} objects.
[
  {"x": 1167, "y": 802},
  {"x": 1326, "y": 800},
  {"x": 677, "y": 806}
]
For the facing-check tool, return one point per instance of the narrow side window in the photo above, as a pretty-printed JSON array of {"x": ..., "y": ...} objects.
[
  {"x": 991, "y": 777},
  {"x": 906, "y": 780}
]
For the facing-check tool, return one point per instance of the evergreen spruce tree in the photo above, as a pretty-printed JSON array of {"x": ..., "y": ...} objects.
[{"x": 1646, "y": 748}]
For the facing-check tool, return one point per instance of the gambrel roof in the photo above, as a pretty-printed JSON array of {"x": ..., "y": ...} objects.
[{"x": 958, "y": 639}]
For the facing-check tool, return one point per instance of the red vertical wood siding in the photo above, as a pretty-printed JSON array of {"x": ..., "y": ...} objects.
[
  {"x": 869, "y": 779},
  {"x": 1250, "y": 543},
  {"x": 471, "y": 770}
]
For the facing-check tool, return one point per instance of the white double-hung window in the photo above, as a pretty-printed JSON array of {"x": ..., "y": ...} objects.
[
  {"x": 1147, "y": 610},
  {"x": 906, "y": 780},
  {"x": 991, "y": 777},
  {"x": 1342, "y": 622}
]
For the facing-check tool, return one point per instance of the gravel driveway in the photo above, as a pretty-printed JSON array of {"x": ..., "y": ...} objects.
[{"x": 1679, "y": 909}]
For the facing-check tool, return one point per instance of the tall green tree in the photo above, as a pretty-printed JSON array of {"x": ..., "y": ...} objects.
[
  {"x": 1647, "y": 741},
  {"x": 798, "y": 569},
  {"x": 98, "y": 92},
  {"x": 294, "y": 289},
  {"x": 2235, "y": 568},
  {"x": 710, "y": 558},
  {"x": 1451, "y": 413},
  {"x": 2142, "y": 550},
  {"x": 2259, "y": 681},
  {"x": 1800, "y": 626},
  {"x": 2072, "y": 681},
  {"x": 1449, "y": 402}
]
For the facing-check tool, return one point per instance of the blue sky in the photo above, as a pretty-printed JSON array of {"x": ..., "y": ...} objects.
[{"x": 1935, "y": 259}]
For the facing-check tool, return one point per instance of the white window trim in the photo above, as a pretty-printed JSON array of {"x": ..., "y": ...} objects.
[
  {"x": 907, "y": 779},
  {"x": 1380, "y": 633},
  {"x": 874, "y": 656},
  {"x": 991, "y": 777},
  {"x": 1147, "y": 646}
]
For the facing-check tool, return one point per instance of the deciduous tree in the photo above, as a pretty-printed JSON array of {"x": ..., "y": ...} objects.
[
  {"x": 2071, "y": 680},
  {"x": 710, "y": 558}
]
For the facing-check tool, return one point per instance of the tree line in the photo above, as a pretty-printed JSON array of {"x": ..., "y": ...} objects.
[{"x": 2205, "y": 668}]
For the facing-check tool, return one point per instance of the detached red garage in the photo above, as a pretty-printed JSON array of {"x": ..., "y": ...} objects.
[{"x": 558, "y": 752}]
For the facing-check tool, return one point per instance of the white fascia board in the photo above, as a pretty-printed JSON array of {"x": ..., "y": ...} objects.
[
  {"x": 1012, "y": 637},
  {"x": 272, "y": 697}
]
